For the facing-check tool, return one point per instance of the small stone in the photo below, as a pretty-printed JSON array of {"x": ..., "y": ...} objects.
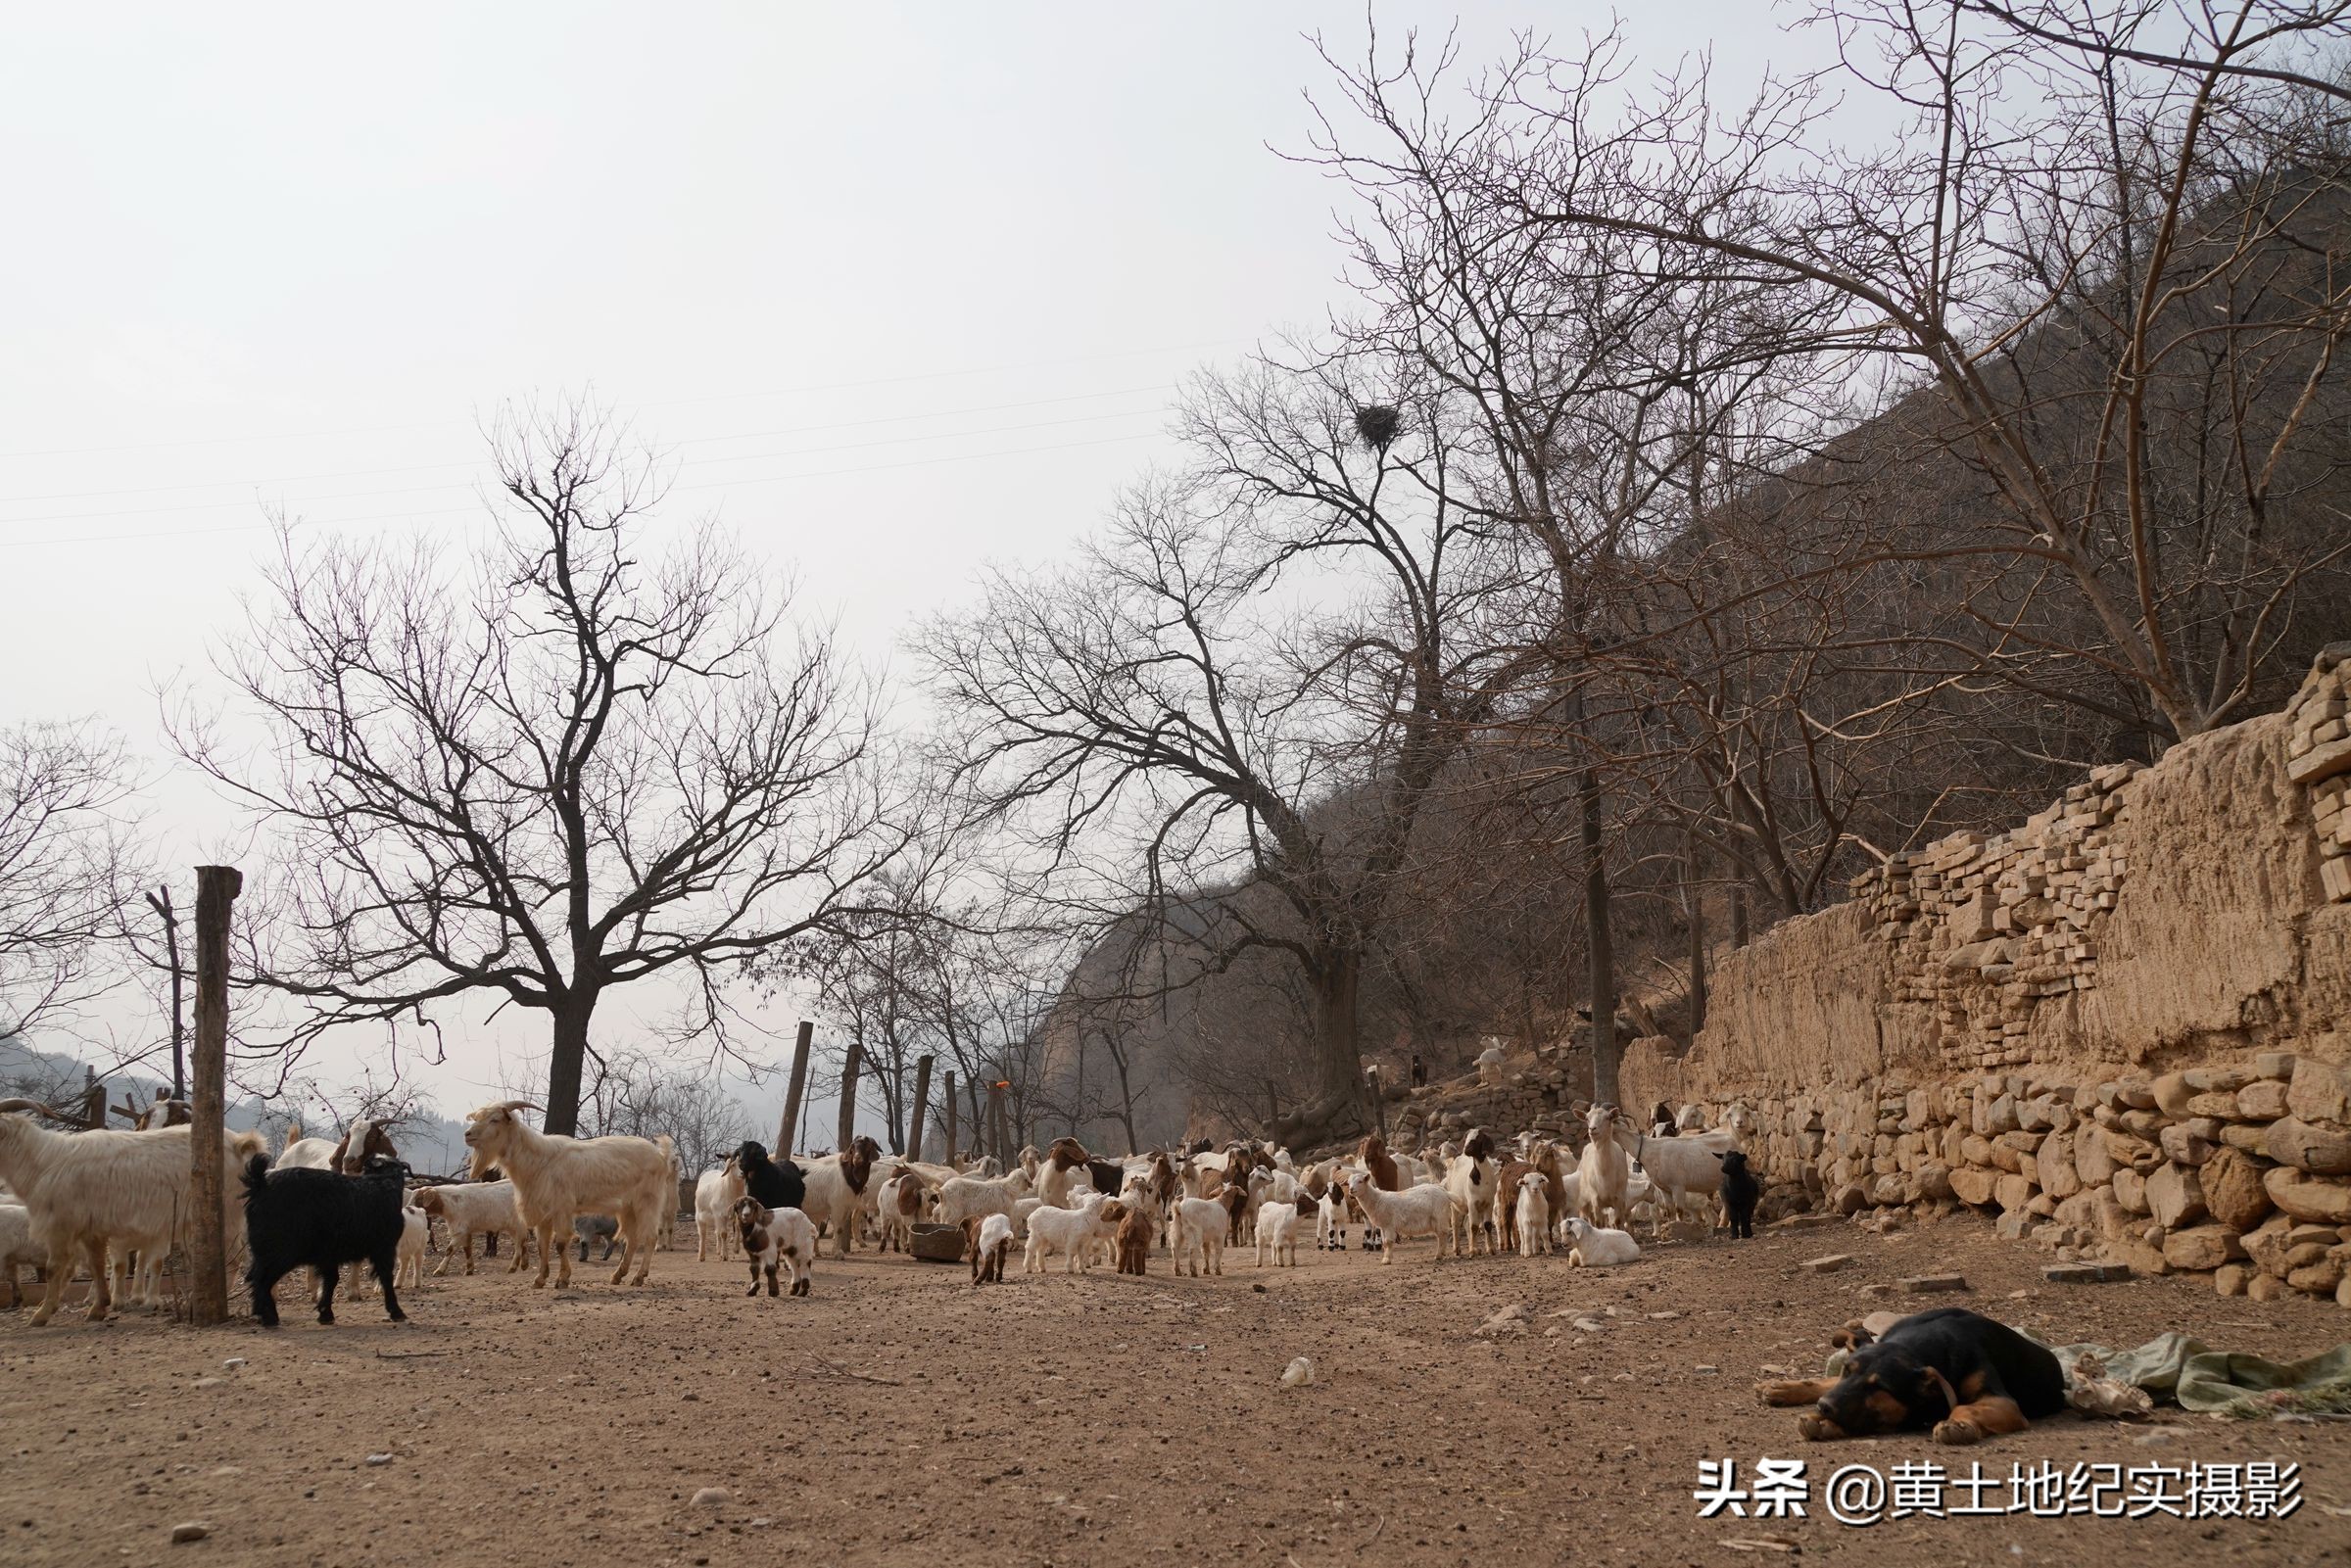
[
  {"x": 712, "y": 1497},
  {"x": 182, "y": 1534},
  {"x": 234, "y": 1363},
  {"x": 1920, "y": 1284},
  {"x": 207, "y": 1382},
  {"x": 2229, "y": 1279},
  {"x": 1301, "y": 1372},
  {"x": 1829, "y": 1264},
  {"x": 379, "y": 1459},
  {"x": 1508, "y": 1320},
  {"x": 2085, "y": 1273},
  {"x": 1880, "y": 1289},
  {"x": 1703, "y": 1368}
]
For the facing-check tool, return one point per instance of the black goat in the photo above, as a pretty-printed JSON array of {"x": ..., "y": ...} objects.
[
  {"x": 597, "y": 1227},
  {"x": 776, "y": 1183},
  {"x": 1741, "y": 1191},
  {"x": 321, "y": 1219}
]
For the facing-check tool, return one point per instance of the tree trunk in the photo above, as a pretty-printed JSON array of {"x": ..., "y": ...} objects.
[
  {"x": 1602, "y": 944},
  {"x": 1694, "y": 915},
  {"x": 217, "y": 889},
  {"x": 570, "y": 1015},
  {"x": 1337, "y": 1110},
  {"x": 1118, "y": 1059},
  {"x": 1738, "y": 915}
]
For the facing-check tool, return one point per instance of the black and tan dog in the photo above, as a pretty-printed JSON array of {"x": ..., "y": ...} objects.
[{"x": 1961, "y": 1373}]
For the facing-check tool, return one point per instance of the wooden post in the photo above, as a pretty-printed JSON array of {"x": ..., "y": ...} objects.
[
  {"x": 951, "y": 1129},
  {"x": 1379, "y": 1101},
  {"x": 161, "y": 902},
  {"x": 93, "y": 1100},
  {"x": 217, "y": 889},
  {"x": 848, "y": 1095},
  {"x": 996, "y": 1121},
  {"x": 791, "y": 1096},
  {"x": 922, "y": 1107}
]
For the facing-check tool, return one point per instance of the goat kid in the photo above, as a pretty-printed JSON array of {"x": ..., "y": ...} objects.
[
  {"x": 986, "y": 1238},
  {"x": 773, "y": 1237}
]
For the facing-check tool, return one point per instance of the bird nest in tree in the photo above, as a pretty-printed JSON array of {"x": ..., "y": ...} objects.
[{"x": 1378, "y": 423}]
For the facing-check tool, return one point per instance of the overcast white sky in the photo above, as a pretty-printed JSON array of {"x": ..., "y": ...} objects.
[{"x": 904, "y": 287}]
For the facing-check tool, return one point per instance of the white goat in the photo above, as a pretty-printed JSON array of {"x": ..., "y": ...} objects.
[
  {"x": 1605, "y": 1169},
  {"x": 415, "y": 1234},
  {"x": 1689, "y": 1166},
  {"x": 1590, "y": 1247},
  {"x": 17, "y": 1246},
  {"x": 1470, "y": 1180},
  {"x": 557, "y": 1180},
  {"x": 1427, "y": 1209},
  {"x": 962, "y": 1197},
  {"x": 1200, "y": 1228},
  {"x": 1073, "y": 1232},
  {"x": 476, "y": 1208},
  {"x": 715, "y": 1195},
  {"x": 307, "y": 1154},
  {"x": 1278, "y": 1222},
  {"x": 85, "y": 1191},
  {"x": 1534, "y": 1213}
]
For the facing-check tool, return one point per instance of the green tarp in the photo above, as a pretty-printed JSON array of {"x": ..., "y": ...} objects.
[{"x": 2178, "y": 1368}]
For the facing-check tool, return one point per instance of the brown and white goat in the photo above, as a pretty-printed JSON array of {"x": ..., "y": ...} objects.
[{"x": 773, "y": 1238}]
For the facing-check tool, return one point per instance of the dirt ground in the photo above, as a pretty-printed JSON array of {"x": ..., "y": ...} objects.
[{"x": 900, "y": 1416}]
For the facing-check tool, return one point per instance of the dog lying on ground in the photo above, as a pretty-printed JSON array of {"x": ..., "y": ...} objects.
[{"x": 1956, "y": 1372}]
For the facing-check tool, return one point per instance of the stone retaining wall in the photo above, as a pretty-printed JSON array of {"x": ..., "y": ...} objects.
[{"x": 2121, "y": 1025}]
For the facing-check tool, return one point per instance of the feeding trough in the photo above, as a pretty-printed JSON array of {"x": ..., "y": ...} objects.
[{"x": 938, "y": 1244}]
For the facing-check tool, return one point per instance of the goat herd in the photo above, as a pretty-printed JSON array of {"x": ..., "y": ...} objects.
[{"x": 117, "y": 1199}]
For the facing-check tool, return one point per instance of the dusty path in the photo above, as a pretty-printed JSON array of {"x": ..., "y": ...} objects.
[{"x": 1092, "y": 1421}]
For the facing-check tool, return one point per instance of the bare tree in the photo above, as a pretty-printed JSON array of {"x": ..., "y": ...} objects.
[
  {"x": 1167, "y": 714},
  {"x": 642, "y": 1097},
  {"x": 2096, "y": 288},
  {"x": 569, "y": 765},
  {"x": 67, "y": 872}
]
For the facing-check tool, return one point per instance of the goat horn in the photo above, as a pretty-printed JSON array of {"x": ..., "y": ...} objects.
[{"x": 25, "y": 1104}]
